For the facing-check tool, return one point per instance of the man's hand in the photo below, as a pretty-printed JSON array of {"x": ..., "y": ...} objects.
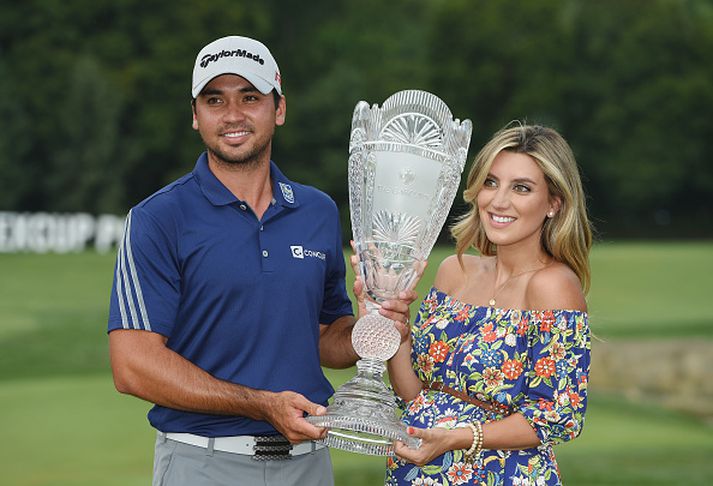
[{"x": 285, "y": 411}]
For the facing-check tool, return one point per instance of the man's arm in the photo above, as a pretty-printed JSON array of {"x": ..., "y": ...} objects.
[
  {"x": 144, "y": 367},
  {"x": 335, "y": 343}
]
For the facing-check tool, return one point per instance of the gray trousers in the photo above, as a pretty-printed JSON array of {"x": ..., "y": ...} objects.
[{"x": 178, "y": 464}]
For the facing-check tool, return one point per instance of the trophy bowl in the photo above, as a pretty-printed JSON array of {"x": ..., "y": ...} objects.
[{"x": 405, "y": 163}]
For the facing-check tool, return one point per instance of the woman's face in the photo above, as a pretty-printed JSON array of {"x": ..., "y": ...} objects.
[{"x": 514, "y": 200}]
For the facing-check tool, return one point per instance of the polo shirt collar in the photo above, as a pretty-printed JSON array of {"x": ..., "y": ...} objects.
[{"x": 282, "y": 188}]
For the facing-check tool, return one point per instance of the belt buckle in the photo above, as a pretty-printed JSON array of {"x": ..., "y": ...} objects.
[{"x": 271, "y": 448}]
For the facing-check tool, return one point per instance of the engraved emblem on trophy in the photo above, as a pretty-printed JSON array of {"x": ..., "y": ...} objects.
[{"x": 405, "y": 163}]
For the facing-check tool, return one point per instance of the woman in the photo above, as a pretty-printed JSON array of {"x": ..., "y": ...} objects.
[{"x": 500, "y": 347}]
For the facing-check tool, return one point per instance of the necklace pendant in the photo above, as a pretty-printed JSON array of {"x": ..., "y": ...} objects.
[{"x": 491, "y": 302}]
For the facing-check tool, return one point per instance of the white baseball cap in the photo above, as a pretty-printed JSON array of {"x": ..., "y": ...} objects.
[{"x": 243, "y": 56}]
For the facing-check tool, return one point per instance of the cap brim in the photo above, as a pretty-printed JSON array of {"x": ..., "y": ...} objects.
[{"x": 260, "y": 84}]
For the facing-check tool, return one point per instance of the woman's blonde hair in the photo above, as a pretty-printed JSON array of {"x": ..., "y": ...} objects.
[{"x": 567, "y": 236}]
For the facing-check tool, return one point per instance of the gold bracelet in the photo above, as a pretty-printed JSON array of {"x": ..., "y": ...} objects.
[{"x": 477, "y": 445}]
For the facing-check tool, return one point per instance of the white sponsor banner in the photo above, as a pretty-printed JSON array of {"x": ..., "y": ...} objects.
[{"x": 59, "y": 232}]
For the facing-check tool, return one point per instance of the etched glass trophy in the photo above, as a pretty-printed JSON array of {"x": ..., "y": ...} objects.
[{"x": 405, "y": 162}]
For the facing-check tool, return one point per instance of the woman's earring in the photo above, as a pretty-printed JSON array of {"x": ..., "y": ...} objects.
[{"x": 551, "y": 214}]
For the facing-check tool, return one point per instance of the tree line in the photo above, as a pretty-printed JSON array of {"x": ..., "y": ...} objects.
[{"x": 96, "y": 95}]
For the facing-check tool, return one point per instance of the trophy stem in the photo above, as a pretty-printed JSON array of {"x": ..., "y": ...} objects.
[
  {"x": 372, "y": 368},
  {"x": 363, "y": 415}
]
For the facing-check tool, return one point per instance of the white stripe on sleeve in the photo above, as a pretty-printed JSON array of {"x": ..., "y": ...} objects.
[
  {"x": 119, "y": 286},
  {"x": 134, "y": 276},
  {"x": 125, "y": 277}
]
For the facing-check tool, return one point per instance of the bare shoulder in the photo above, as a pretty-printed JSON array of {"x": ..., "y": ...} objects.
[
  {"x": 555, "y": 287},
  {"x": 452, "y": 275},
  {"x": 449, "y": 272}
]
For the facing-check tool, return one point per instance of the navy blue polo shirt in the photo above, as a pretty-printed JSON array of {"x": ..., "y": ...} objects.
[{"x": 239, "y": 297}]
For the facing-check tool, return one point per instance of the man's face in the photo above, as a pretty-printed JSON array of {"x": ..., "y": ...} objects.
[{"x": 236, "y": 121}]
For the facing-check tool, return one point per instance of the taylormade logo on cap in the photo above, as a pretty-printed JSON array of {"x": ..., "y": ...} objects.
[
  {"x": 243, "y": 56},
  {"x": 208, "y": 58}
]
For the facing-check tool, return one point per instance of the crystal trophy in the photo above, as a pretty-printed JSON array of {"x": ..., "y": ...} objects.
[{"x": 405, "y": 162}]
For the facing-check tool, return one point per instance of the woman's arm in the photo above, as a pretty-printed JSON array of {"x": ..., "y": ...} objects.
[
  {"x": 512, "y": 432},
  {"x": 403, "y": 378}
]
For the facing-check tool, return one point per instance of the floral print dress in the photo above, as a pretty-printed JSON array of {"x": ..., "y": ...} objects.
[{"x": 535, "y": 362}]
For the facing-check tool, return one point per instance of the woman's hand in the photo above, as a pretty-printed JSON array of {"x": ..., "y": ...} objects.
[{"x": 434, "y": 442}]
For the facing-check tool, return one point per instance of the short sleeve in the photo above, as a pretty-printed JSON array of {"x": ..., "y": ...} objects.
[
  {"x": 146, "y": 288},
  {"x": 556, "y": 389},
  {"x": 336, "y": 301}
]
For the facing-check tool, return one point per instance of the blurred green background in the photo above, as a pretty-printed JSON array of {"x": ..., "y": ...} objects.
[{"x": 96, "y": 116}]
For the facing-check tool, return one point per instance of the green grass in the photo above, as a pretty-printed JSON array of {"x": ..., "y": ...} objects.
[
  {"x": 652, "y": 290},
  {"x": 62, "y": 423},
  {"x": 53, "y": 313},
  {"x": 73, "y": 431},
  {"x": 77, "y": 431},
  {"x": 625, "y": 443}
]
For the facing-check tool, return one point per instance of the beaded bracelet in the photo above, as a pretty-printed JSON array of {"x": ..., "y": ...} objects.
[{"x": 477, "y": 445}]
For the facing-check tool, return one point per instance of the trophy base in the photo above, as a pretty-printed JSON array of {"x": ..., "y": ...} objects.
[{"x": 362, "y": 417}]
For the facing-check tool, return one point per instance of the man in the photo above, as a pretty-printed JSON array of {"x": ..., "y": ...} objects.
[{"x": 229, "y": 293}]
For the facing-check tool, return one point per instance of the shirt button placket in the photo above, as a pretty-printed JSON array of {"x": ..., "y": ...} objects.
[{"x": 267, "y": 259}]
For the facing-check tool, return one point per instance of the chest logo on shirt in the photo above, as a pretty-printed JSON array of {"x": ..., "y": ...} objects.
[
  {"x": 287, "y": 193},
  {"x": 299, "y": 252}
]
